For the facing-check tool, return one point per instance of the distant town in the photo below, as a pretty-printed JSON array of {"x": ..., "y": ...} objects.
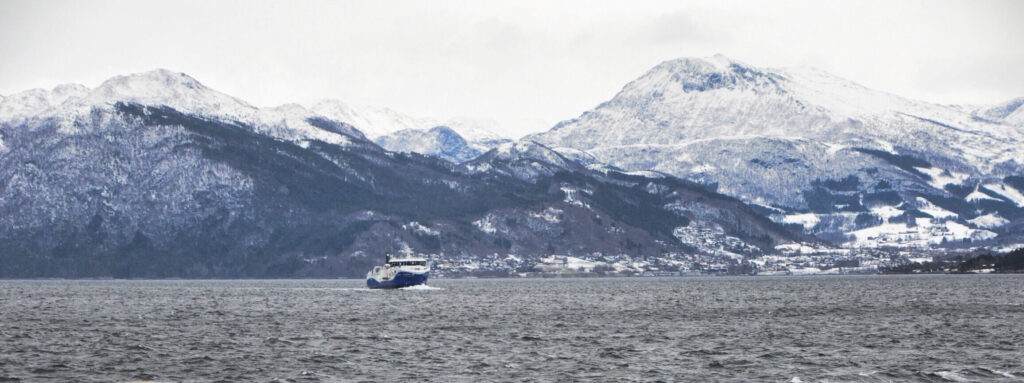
[{"x": 796, "y": 261}]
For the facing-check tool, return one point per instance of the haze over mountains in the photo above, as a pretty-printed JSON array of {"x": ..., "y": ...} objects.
[
  {"x": 391, "y": 128},
  {"x": 156, "y": 175}
]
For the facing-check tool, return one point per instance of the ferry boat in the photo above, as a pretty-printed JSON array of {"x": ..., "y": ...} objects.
[{"x": 398, "y": 272}]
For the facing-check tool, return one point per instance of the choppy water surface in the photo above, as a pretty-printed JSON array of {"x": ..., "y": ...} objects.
[{"x": 882, "y": 328}]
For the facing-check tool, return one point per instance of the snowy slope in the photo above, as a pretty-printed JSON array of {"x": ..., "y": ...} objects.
[
  {"x": 1010, "y": 112},
  {"x": 36, "y": 102},
  {"x": 376, "y": 122},
  {"x": 164, "y": 87},
  {"x": 72, "y": 104},
  {"x": 803, "y": 141},
  {"x": 372, "y": 121},
  {"x": 439, "y": 141},
  {"x": 477, "y": 129},
  {"x": 523, "y": 159},
  {"x": 332, "y": 121},
  {"x": 115, "y": 182},
  {"x": 688, "y": 100}
]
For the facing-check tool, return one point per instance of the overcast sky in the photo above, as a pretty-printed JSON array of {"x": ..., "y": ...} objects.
[{"x": 512, "y": 61}]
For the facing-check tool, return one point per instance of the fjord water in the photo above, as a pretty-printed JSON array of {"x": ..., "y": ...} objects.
[{"x": 865, "y": 328}]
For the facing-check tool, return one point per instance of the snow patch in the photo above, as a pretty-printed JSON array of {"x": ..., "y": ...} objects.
[
  {"x": 886, "y": 212},
  {"x": 834, "y": 148},
  {"x": 482, "y": 167},
  {"x": 454, "y": 185},
  {"x": 927, "y": 207},
  {"x": 1009, "y": 192},
  {"x": 703, "y": 168},
  {"x": 572, "y": 196},
  {"x": 417, "y": 227},
  {"x": 978, "y": 195},
  {"x": 486, "y": 224},
  {"x": 551, "y": 215},
  {"x": 941, "y": 177},
  {"x": 807, "y": 220},
  {"x": 645, "y": 173},
  {"x": 923, "y": 234},
  {"x": 1009, "y": 248},
  {"x": 989, "y": 221}
]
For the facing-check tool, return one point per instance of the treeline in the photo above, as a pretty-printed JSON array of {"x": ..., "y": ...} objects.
[{"x": 1012, "y": 262}]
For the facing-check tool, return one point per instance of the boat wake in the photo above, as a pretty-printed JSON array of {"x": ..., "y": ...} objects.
[{"x": 421, "y": 287}]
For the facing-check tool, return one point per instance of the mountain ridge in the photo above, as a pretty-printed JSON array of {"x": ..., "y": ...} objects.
[
  {"x": 769, "y": 136},
  {"x": 131, "y": 190},
  {"x": 697, "y": 161}
]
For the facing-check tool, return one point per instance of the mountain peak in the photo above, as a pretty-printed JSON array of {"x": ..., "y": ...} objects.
[
  {"x": 443, "y": 129},
  {"x": 174, "y": 89},
  {"x": 70, "y": 90},
  {"x": 157, "y": 87},
  {"x": 528, "y": 152},
  {"x": 716, "y": 63},
  {"x": 524, "y": 159},
  {"x": 36, "y": 101},
  {"x": 439, "y": 141},
  {"x": 689, "y": 74},
  {"x": 151, "y": 80}
]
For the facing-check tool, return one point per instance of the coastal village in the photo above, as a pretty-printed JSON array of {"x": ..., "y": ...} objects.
[{"x": 793, "y": 260}]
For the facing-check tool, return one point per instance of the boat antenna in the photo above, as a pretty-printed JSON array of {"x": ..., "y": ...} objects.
[{"x": 387, "y": 255}]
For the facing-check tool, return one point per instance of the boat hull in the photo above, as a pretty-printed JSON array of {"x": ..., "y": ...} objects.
[{"x": 401, "y": 279}]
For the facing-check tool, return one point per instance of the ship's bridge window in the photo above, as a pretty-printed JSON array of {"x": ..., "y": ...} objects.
[{"x": 409, "y": 263}]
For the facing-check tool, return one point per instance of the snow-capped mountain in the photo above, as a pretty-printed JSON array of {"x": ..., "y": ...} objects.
[
  {"x": 72, "y": 102},
  {"x": 525, "y": 160},
  {"x": 440, "y": 141},
  {"x": 156, "y": 175},
  {"x": 379, "y": 122},
  {"x": 481, "y": 130},
  {"x": 373, "y": 121},
  {"x": 37, "y": 101},
  {"x": 852, "y": 164},
  {"x": 164, "y": 87}
]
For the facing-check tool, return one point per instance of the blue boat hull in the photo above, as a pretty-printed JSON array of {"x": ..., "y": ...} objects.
[{"x": 402, "y": 279}]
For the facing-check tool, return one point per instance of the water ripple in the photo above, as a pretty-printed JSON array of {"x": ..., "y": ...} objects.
[{"x": 808, "y": 329}]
